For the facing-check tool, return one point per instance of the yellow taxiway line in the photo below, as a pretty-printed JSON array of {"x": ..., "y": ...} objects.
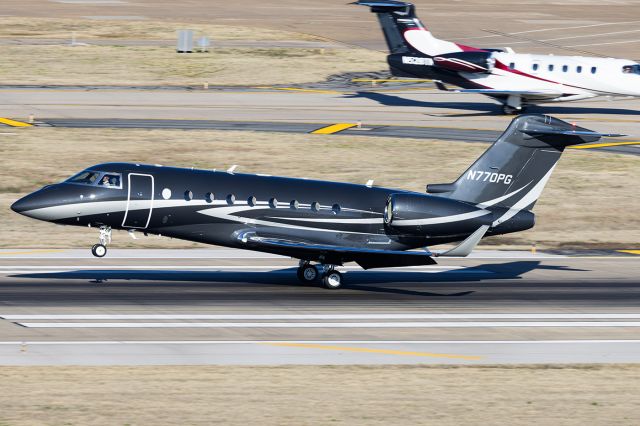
[
  {"x": 630, "y": 251},
  {"x": 334, "y": 128},
  {"x": 604, "y": 144},
  {"x": 373, "y": 351},
  {"x": 14, "y": 123}
]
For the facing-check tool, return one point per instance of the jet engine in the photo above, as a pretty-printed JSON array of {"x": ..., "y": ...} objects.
[
  {"x": 473, "y": 62},
  {"x": 432, "y": 216}
]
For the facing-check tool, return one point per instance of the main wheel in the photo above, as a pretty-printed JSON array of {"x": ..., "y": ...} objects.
[
  {"x": 509, "y": 110},
  {"x": 99, "y": 250},
  {"x": 307, "y": 273},
  {"x": 332, "y": 280}
]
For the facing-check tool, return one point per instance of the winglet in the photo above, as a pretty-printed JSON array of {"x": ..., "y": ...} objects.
[{"x": 465, "y": 248}]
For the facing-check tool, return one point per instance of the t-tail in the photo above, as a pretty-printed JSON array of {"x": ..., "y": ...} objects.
[
  {"x": 510, "y": 176},
  {"x": 405, "y": 33}
]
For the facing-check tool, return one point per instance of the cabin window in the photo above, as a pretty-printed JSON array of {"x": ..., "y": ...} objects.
[
  {"x": 565, "y": 68},
  {"x": 594, "y": 70},
  {"x": 335, "y": 208},
  {"x": 550, "y": 67},
  {"x": 578, "y": 69},
  {"x": 209, "y": 197},
  {"x": 188, "y": 195},
  {"x": 294, "y": 204},
  {"x": 252, "y": 201},
  {"x": 535, "y": 67},
  {"x": 315, "y": 206},
  {"x": 166, "y": 193},
  {"x": 512, "y": 65},
  {"x": 273, "y": 203},
  {"x": 231, "y": 198}
]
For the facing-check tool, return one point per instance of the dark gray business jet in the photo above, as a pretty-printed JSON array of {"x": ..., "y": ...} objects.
[{"x": 322, "y": 223}]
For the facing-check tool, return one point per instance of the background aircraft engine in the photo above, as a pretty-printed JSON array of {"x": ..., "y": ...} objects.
[
  {"x": 417, "y": 214},
  {"x": 466, "y": 61}
]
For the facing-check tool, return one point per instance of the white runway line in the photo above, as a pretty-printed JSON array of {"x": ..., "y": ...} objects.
[
  {"x": 462, "y": 324},
  {"x": 374, "y": 316},
  {"x": 333, "y": 342}
]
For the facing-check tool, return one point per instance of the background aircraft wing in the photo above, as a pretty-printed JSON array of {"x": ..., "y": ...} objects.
[{"x": 335, "y": 255}]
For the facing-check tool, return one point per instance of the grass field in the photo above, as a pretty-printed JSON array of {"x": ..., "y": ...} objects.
[
  {"x": 588, "y": 202},
  {"x": 118, "y": 64},
  {"x": 321, "y": 395}
]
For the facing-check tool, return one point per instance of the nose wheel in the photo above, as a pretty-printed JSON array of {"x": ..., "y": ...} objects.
[
  {"x": 100, "y": 249},
  {"x": 328, "y": 276}
]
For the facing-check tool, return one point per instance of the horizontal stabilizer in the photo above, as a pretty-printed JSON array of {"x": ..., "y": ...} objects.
[
  {"x": 533, "y": 132},
  {"x": 465, "y": 248}
]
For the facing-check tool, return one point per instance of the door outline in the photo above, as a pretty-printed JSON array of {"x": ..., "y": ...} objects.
[{"x": 126, "y": 212}]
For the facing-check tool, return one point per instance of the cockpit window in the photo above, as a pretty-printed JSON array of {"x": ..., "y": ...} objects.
[
  {"x": 87, "y": 177},
  {"x": 631, "y": 69},
  {"x": 110, "y": 180},
  {"x": 93, "y": 178}
]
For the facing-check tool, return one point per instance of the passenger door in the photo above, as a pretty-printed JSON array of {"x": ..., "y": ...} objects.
[{"x": 139, "y": 201}]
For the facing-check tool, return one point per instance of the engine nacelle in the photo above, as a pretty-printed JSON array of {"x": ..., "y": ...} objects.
[
  {"x": 473, "y": 62},
  {"x": 432, "y": 216}
]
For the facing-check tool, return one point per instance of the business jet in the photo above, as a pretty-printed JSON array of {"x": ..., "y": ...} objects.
[
  {"x": 324, "y": 224},
  {"x": 515, "y": 80}
]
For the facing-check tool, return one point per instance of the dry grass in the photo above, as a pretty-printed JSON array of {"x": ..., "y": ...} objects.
[
  {"x": 310, "y": 395},
  {"x": 135, "y": 65},
  {"x": 117, "y": 64},
  {"x": 87, "y": 29},
  {"x": 589, "y": 202}
]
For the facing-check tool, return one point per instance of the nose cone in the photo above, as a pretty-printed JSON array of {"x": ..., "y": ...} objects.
[{"x": 32, "y": 205}]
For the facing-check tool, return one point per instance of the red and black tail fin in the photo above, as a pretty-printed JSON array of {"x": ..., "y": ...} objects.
[{"x": 405, "y": 33}]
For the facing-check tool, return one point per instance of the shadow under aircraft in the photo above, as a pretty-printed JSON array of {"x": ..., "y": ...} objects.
[{"x": 484, "y": 108}]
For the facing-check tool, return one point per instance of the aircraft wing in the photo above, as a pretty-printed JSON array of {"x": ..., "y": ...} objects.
[
  {"x": 498, "y": 92},
  {"x": 335, "y": 255}
]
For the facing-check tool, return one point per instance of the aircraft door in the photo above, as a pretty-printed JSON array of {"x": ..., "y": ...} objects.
[{"x": 139, "y": 201}]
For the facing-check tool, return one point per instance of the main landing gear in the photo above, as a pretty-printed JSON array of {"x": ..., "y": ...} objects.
[
  {"x": 330, "y": 278},
  {"x": 100, "y": 249}
]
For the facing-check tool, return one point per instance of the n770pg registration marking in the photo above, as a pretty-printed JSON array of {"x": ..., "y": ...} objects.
[{"x": 492, "y": 177}]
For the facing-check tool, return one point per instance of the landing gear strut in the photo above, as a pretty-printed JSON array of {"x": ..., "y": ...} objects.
[
  {"x": 513, "y": 105},
  {"x": 330, "y": 278},
  {"x": 100, "y": 249}
]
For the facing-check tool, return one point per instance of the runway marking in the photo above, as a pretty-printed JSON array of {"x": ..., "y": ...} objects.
[
  {"x": 630, "y": 251},
  {"x": 459, "y": 316},
  {"x": 296, "y": 89},
  {"x": 14, "y": 123},
  {"x": 351, "y": 342},
  {"x": 30, "y": 252},
  {"x": 373, "y": 351},
  {"x": 327, "y": 325},
  {"x": 605, "y": 144},
  {"x": 334, "y": 128}
]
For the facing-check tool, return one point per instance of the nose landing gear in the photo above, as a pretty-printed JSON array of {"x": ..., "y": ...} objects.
[
  {"x": 100, "y": 249},
  {"x": 330, "y": 278}
]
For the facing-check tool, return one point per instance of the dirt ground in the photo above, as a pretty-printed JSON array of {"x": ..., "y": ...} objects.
[
  {"x": 313, "y": 395},
  {"x": 589, "y": 202}
]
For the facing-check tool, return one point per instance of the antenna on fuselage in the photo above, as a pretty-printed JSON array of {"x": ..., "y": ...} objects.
[
  {"x": 231, "y": 169},
  {"x": 369, "y": 183}
]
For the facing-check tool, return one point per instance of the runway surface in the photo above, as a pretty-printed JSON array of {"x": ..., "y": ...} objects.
[
  {"x": 223, "y": 306},
  {"x": 392, "y": 112}
]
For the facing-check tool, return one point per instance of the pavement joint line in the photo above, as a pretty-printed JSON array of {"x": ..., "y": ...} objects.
[
  {"x": 458, "y": 316},
  {"x": 373, "y": 351},
  {"x": 326, "y": 325}
]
